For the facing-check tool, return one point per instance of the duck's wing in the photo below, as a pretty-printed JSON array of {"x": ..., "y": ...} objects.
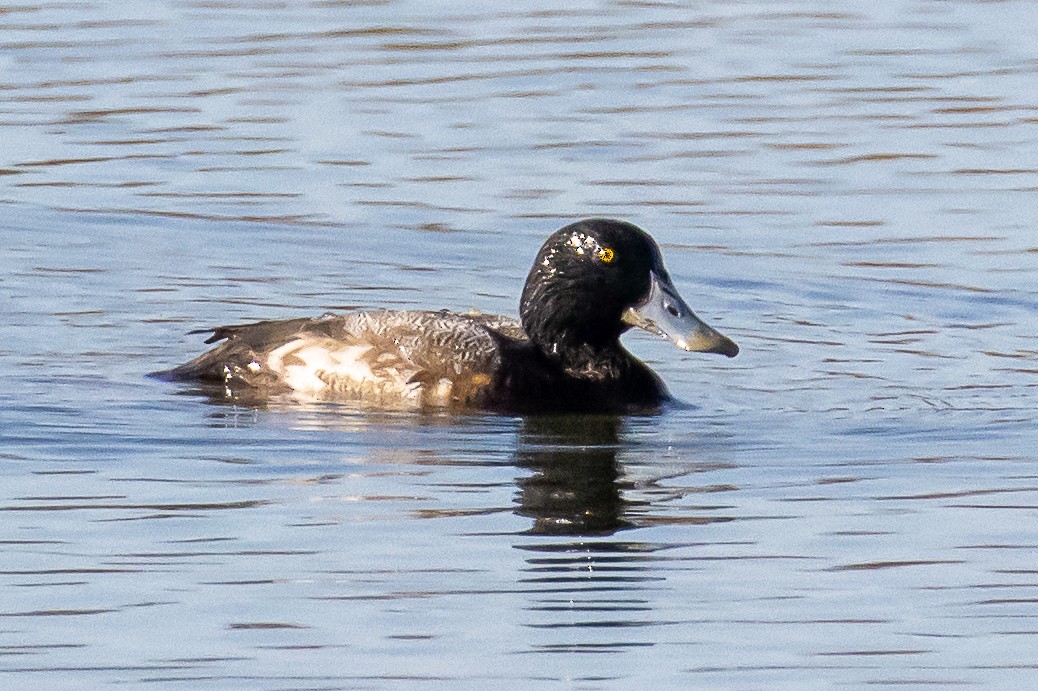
[{"x": 386, "y": 358}]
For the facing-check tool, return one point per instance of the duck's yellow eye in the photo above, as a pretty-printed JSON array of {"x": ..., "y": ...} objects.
[{"x": 606, "y": 254}]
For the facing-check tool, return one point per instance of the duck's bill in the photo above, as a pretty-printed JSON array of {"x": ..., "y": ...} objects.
[{"x": 666, "y": 314}]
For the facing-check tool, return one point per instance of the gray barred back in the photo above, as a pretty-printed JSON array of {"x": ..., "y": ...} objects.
[{"x": 390, "y": 359}]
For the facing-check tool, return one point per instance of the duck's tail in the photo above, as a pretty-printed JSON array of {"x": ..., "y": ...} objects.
[{"x": 243, "y": 345}]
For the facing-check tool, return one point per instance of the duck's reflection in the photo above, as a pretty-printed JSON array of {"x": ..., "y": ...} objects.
[
  {"x": 575, "y": 485},
  {"x": 585, "y": 594},
  {"x": 586, "y": 588},
  {"x": 571, "y": 482}
]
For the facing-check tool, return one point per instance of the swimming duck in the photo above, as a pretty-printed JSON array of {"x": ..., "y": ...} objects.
[{"x": 590, "y": 282}]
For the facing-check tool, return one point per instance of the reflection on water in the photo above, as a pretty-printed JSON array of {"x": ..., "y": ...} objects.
[
  {"x": 575, "y": 485},
  {"x": 593, "y": 597},
  {"x": 848, "y": 190}
]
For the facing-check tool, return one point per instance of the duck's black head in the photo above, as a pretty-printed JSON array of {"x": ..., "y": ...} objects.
[{"x": 593, "y": 280}]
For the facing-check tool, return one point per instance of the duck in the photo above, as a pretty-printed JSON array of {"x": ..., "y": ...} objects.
[{"x": 591, "y": 281}]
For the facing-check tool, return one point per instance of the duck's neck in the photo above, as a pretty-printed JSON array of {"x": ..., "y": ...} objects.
[
  {"x": 584, "y": 342},
  {"x": 583, "y": 358}
]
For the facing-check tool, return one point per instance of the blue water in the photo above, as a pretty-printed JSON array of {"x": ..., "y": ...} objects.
[{"x": 848, "y": 191}]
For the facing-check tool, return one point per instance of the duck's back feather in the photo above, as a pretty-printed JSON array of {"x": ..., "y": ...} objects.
[{"x": 392, "y": 359}]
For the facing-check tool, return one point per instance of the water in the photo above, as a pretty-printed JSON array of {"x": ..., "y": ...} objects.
[{"x": 846, "y": 190}]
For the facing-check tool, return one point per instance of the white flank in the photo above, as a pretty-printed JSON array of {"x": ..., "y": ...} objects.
[
  {"x": 317, "y": 366},
  {"x": 441, "y": 395},
  {"x": 314, "y": 363}
]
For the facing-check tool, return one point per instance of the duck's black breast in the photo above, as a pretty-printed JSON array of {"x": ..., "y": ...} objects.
[{"x": 527, "y": 381}]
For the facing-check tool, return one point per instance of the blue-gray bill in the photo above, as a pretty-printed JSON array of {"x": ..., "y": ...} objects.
[{"x": 664, "y": 313}]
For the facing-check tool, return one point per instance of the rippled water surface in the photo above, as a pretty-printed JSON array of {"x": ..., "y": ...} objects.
[{"x": 847, "y": 189}]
